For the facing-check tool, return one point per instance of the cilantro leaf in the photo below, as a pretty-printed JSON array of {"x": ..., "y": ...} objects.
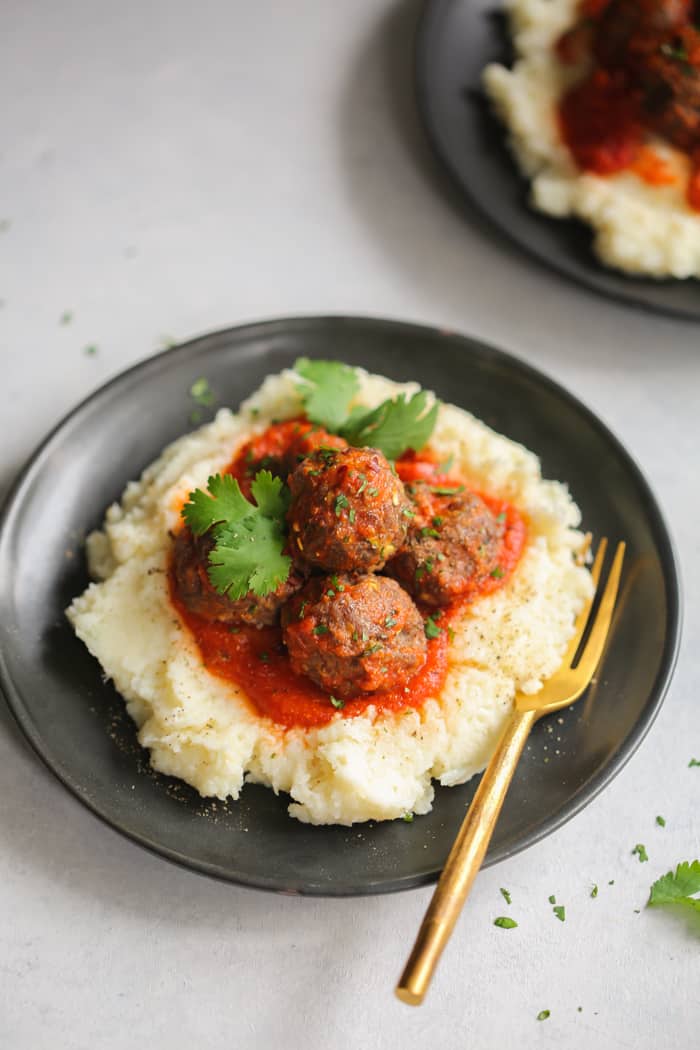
[
  {"x": 505, "y": 922},
  {"x": 544, "y": 1014},
  {"x": 225, "y": 503},
  {"x": 327, "y": 390},
  {"x": 247, "y": 555},
  {"x": 394, "y": 426},
  {"x": 678, "y": 887},
  {"x": 506, "y": 895}
]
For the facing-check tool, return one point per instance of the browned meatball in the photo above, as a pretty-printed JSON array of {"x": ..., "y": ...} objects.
[
  {"x": 190, "y": 561},
  {"x": 354, "y": 634},
  {"x": 348, "y": 511},
  {"x": 629, "y": 30},
  {"x": 671, "y": 92},
  {"x": 453, "y": 544}
]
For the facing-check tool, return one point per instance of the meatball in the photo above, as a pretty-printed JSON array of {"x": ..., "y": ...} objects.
[
  {"x": 630, "y": 30},
  {"x": 670, "y": 85},
  {"x": 453, "y": 544},
  {"x": 354, "y": 634},
  {"x": 281, "y": 448},
  {"x": 348, "y": 511},
  {"x": 197, "y": 593}
]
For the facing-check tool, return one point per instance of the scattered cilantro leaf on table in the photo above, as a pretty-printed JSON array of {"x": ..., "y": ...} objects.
[
  {"x": 640, "y": 851},
  {"x": 327, "y": 390},
  {"x": 594, "y": 891},
  {"x": 249, "y": 537},
  {"x": 506, "y": 895},
  {"x": 543, "y": 1015},
  {"x": 394, "y": 426},
  {"x": 560, "y": 912},
  {"x": 661, "y": 822},
  {"x": 678, "y": 887},
  {"x": 694, "y": 762},
  {"x": 505, "y": 922}
]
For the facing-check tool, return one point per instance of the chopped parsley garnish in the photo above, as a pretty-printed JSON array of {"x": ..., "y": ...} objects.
[
  {"x": 678, "y": 53},
  {"x": 340, "y": 587},
  {"x": 544, "y": 1014},
  {"x": 428, "y": 531},
  {"x": 337, "y": 704},
  {"x": 394, "y": 426},
  {"x": 301, "y": 609},
  {"x": 408, "y": 513},
  {"x": 249, "y": 539},
  {"x": 319, "y": 629},
  {"x": 327, "y": 389},
  {"x": 363, "y": 486},
  {"x": 372, "y": 649},
  {"x": 506, "y": 895},
  {"x": 594, "y": 891},
  {"x": 341, "y": 502},
  {"x": 431, "y": 628},
  {"x": 560, "y": 912},
  {"x": 552, "y": 899},
  {"x": 408, "y": 817},
  {"x": 641, "y": 852},
  {"x": 437, "y": 522},
  {"x": 501, "y": 516},
  {"x": 351, "y": 515},
  {"x": 498, "y": 573},
  {"x": 372, "y": 492},
  {"x": 390, "y": 622},
  {"x": 678, "y": 887},
  {"x": 201, "y": 392},
  {"x": 427, "y": 566},
  {"x": 505, "y": 922},
  {"x": 661, "y": 822},
  {"x": 694, "y": 762},
  {"x": 447, "y": 490}
]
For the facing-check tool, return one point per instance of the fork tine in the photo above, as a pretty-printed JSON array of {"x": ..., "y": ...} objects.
[
  {"x": 599, "y": 631},
  {"x": 582, "y": 618}
]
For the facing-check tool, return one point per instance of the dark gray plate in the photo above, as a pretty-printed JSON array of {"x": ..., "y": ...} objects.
[
  {"x": 77, "y": 723},
  {"x": 456, "y": 39}
]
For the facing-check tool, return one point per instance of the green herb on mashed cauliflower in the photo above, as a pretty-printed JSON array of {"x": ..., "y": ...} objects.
[
  {"x": 247, "y": 555},
  {"x": 396, "y": 425}
]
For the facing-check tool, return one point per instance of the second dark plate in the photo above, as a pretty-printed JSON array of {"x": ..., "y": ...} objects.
[{"x": 456, "y": 39}]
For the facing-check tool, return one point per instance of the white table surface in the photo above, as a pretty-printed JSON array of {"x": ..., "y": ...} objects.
[{"x": 168, "y": 168}]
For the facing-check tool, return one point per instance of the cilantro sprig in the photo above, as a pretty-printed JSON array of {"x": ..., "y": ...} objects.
[
  {"x": 327, "y": 389},
  {"x": 247, "y": 555},
  {"x": 678, "y": 887}
]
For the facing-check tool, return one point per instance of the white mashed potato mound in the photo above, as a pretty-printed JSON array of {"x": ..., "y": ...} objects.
[
  {"x": 202, "y": 729},
  {"x": 639, "y": 228}
]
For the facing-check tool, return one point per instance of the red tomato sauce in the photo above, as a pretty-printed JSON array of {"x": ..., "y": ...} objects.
[{"x": 256, "y": 659}]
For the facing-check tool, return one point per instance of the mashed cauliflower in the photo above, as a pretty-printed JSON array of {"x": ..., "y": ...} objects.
[
  {"x": 639, "y": 228},
  {"x": 202, "y": 729}
]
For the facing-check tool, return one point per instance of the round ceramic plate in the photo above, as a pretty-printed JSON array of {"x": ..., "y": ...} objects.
[
  {"x": 456, "y": 39},
  {"x": 77, "y": 723}
]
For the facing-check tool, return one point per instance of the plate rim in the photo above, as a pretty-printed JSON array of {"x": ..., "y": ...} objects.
[
  {"x": 430, "y": 15},
  {"x": 668, "y": 557}
]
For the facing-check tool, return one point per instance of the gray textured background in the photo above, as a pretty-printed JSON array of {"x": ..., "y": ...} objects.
[{"x": 168, "y": 168}]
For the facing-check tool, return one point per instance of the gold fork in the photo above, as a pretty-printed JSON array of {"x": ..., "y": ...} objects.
[{"x": 471, "y": 843}]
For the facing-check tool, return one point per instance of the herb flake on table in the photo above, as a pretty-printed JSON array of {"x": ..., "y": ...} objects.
[
  {"x": 66, "y": 317},
  {"x": 661, "y": 822},
  {"x": 543, "y": 1015},
  {"x": 594, "y": 891},
  {"x": 560, "y": 912},
  {"x": 694, "y": 762},
  {"x": 506, "y": 895},
  {"x": 640, "y": 851},
  {"x": 505, "y": 922},
  {"x": 90, "y": 350}
]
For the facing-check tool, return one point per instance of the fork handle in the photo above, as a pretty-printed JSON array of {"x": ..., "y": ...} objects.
[{"x": 464, "y": 860}]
